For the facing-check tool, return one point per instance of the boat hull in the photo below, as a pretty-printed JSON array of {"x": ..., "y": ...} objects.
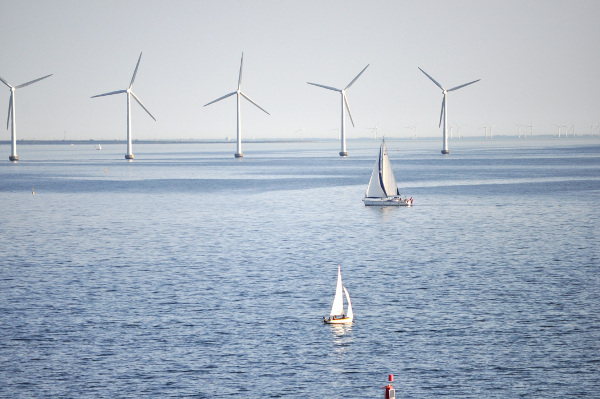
[
  {"x": 344, "y": 320},
  {"x": 389, "y": 201}
]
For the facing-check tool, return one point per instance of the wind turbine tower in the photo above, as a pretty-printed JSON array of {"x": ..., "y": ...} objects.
[
  {"x": 345, "y": 106},
  {"x": 558, "y": 127},
  {"x": 444, "y": 111},
  {"x": 458, "y": 130},
  {"x": 130, "y": 93},
  {"x": 486, "y": 131},
  {"x": 11, "y": 115},
  {"x": 239, "y": 93}
]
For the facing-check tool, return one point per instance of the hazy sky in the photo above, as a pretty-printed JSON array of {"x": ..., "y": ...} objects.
[{"x": 538, "y": 62}]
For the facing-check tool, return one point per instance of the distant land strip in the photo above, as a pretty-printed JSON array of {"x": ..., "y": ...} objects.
[{"x": 167, "y": 141}]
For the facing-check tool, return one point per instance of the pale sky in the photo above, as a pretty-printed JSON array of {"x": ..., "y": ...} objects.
[{"x": 538, "y": 61}]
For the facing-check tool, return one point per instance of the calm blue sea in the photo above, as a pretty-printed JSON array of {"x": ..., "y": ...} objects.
[{"x": 188, "y": 273}]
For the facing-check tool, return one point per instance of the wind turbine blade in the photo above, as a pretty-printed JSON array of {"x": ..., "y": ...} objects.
[
  {"x": 240, "y": 78},
  {"x": 111, "y": 93},
  {"x": 348, "y": 109},
  {"x": 443, "y": 110},
  {"x": 139, "y": 102},
  {"x": 357, "y": 76},
  {"x": 6, "y": 83},
  {"x": 33, "y": 81},
  {"x": 249, "y": 99},
  {"x": 325, "y": 87},
  {"x": 9, "y": 110},
  {"x": 466, "y": 84},
  {"x": 135, "y": 72},
  {"x": 432, "y": 79},
  {"x": 220, "y": 98}
]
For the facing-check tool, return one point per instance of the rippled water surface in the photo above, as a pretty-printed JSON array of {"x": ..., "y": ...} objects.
[{"x": 188, "y": 273}]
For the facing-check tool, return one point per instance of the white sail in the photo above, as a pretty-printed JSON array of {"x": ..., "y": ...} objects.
[
  {"x": 382, "y": 183},
  {"x": 374, "y": 190},
  {"x": 387, "y": 173},
  {"x": 338, "y": 302},
  {"x": 349, "y": 314}
]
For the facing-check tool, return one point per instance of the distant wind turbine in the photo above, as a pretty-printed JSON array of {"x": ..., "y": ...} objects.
[
  {"x": 239, "y": 153},
  {"x": 558, "y": 127},
  {"x": 519, "y": 129},
  {"x": 413, "y": 130},
  {"x": 345, "y": 106},
  {"x": 486, "y": 131},
  {"x": 375, "y": 130},
  {"x": 130, "y": 93},
  {"x": 444, "y": 111},
  {"x": 458, "y": 127},
  {"x": 11, "y": 115}
]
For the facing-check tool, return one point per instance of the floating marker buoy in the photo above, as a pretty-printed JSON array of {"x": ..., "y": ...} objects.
[
  {"x": 106, "y": 171},
  {"x": 390, "y": 392},
  {"x": 32, "y": 191}
]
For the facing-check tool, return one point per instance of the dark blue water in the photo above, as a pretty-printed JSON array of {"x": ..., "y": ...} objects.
[{"x": 190, "y": 274}]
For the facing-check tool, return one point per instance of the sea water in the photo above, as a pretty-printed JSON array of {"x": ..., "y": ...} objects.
[{"x": 187, "y": 273}]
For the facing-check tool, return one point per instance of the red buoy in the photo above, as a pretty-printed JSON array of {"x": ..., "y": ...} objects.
[{"x": 390, "y": 392}]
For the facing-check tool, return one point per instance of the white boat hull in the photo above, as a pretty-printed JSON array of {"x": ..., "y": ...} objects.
[
  {"x": 388, "y": 201},
  {"x": 341, "y": 320}
]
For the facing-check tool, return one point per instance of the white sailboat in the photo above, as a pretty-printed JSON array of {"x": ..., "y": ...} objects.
[
  {"x": 337, "y": 315},
  {"x": 382, "y": 189}
]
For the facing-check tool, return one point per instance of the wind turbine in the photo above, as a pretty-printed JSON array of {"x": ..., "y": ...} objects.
[
  {"x": 239, "y": 153},
  {"x": 558, "y": 127},
  {"x": 413, "y": 130},
  {"x": 343, "y": 152},
  {"x": 530, "y": 129},
  {"x": 11, "y": 115},
  {"x": 130, "y": 93},
  {"x": 458, "y": 127},
  {"x": 486, "y": 131},
  {"x": 375, "y": 130},
  {"x": 444, "y": 111}
]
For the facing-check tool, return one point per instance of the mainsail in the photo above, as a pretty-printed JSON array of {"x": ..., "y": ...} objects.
[
  {"x": 382, "y": 183},
  {"x": 338, "y": 302}
]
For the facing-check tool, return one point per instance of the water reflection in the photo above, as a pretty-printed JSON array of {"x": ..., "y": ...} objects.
[{"x": 342, "y": 337}]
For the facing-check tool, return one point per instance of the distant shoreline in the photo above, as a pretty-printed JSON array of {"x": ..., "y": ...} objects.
[
  {"x": 279, "y": 141},
  {"x": 174, "y": 141}
]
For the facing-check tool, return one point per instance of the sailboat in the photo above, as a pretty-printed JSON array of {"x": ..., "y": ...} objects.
[
  {"x": 382, "y": 189},
  {"x": 337, "y": 315}
]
